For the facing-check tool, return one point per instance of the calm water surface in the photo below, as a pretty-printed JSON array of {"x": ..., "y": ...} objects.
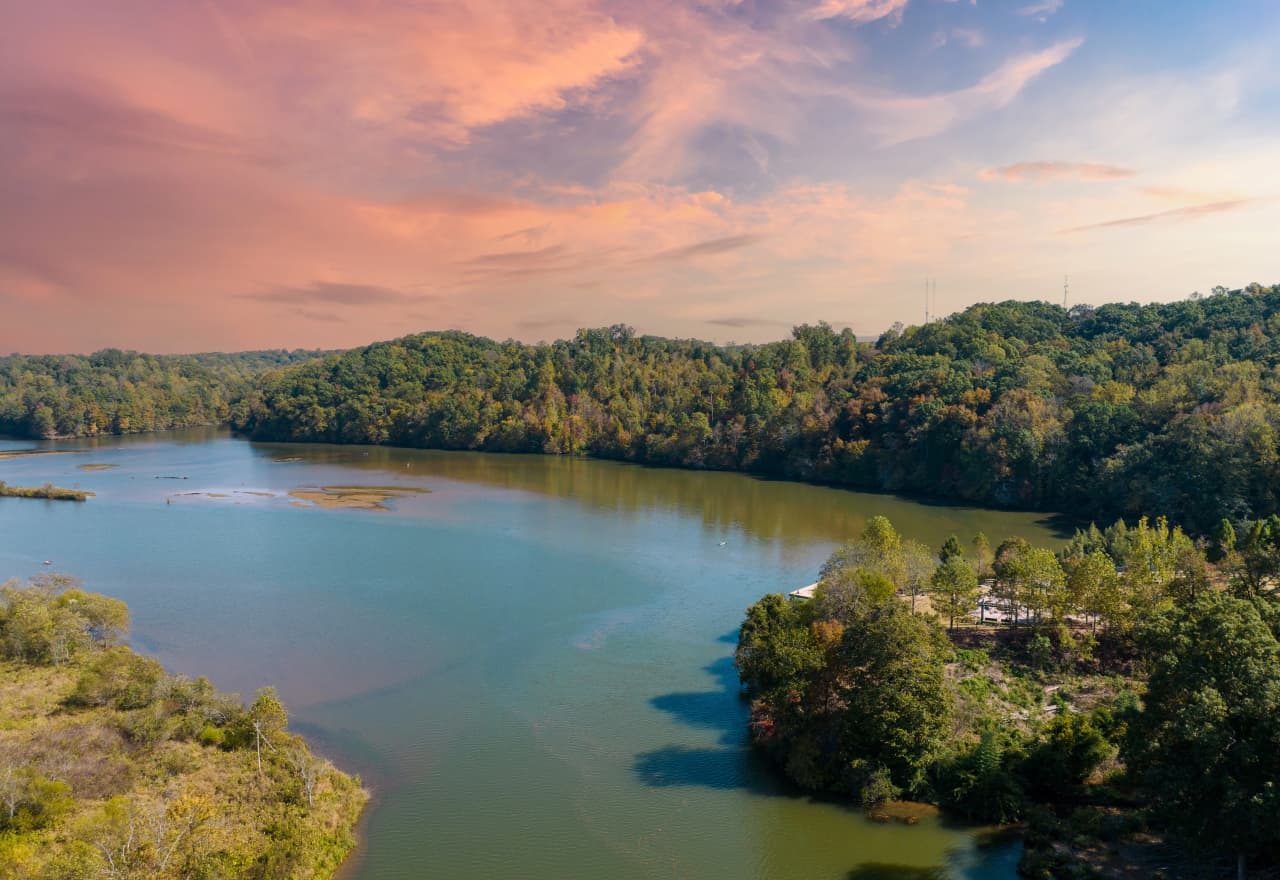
[{"x": 530, "y": 665}]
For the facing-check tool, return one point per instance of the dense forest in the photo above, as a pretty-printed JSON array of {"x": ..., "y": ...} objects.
[
  {"x": 117, "y": 392},
  {"x": 112, "y": 768},
  {"x": 1127, "y": 707},
  {"x": 1103, "y": 412}
]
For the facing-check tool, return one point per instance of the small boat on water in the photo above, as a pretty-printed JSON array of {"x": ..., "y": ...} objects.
[{"x": 48, "y": 562}]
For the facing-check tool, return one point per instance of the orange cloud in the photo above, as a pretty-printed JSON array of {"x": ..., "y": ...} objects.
[{"x": 444, "y": 70}]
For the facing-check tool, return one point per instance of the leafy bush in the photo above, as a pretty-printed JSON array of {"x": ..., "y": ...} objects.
[
  {"x": 979, "y": 784},
  {"x": 119, "y": 678},
  {"x": 1071, "y": 749}
]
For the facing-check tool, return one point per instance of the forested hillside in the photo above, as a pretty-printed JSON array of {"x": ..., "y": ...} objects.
[
  {"x": 1104, "y": 412},
  {"x": 118, "y": 392}
]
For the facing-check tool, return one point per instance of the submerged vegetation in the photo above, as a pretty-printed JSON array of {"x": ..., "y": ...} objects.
[
  {"x": 1131, "y": 716},
  {"x": 48, "y": 491},
  {"x": 112, "y": 768},
  {"x": 353, "y": 497}
]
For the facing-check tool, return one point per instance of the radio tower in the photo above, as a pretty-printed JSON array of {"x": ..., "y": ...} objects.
[{"x": 1066, "y": 281}]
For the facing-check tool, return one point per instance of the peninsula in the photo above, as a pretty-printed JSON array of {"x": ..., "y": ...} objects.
[{"x": 112, "y": 767}]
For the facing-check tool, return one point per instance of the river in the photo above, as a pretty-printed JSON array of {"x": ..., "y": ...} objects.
[{"x": 530, "y": 664}]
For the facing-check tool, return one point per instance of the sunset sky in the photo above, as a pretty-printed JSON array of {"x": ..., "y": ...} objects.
[{"x": 183, "y": 175}]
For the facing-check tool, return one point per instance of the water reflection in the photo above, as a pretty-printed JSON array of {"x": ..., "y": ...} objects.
[{"x": 766, "y": 509}]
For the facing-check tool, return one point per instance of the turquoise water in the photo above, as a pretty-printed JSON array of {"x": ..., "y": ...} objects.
[{"x": 530, "y": 665}]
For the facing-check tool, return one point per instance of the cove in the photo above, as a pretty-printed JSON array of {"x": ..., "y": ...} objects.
[{"x": 530, "y": 663}]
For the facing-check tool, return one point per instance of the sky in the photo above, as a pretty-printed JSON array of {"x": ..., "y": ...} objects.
[{"x": 192, "y": 175}]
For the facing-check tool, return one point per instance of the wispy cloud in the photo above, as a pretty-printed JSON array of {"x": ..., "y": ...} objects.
[
  {"x": 702, "y": 248},
  {"x": 332, "y": 293},
  {"x": 898, "y": 118},
  {"x": 1041, "y": 10},
  {"x": 1057, "y": 170},
  {"x": 320, "y": 317},
  {"x": 538, "y": 257},
  {"x": 859, "y": 10},
  {"x": 971, "y": 37},
  {"x": 1190, "y": 212},
  {"x": 739, "y": 323}
]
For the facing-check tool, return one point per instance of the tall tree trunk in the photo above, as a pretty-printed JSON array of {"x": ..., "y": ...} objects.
[{"x": 1239, "y": 866}]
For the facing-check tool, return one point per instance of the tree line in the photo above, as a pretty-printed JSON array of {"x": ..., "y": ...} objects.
[
  {"x": 119, "y": 392},
  {"x": 1102, "y": 412},
  {"x": 1139, "y": 692}
]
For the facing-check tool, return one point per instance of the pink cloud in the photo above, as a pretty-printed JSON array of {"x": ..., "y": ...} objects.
[
  {"x": 1057, "y": 170},
  {"x": 239, "y": 174},
  {"x": 1191, "y": 212},
  {"x": 859, "y": 10}
]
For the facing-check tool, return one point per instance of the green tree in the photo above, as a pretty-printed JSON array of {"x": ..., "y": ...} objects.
[
  {"x": 775, "y": 646},
  {"x": 1207, "y": 741},
  {"x": 1094, "y": 587},
  {"x": 950, "y": 549},
  {"x": 954, "y": 589},
  {"x": 897, "y": 709},
  {"x": 982, "y": 555}
]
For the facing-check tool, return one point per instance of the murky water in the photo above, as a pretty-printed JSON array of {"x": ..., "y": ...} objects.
[{"x": 530, "y": 664}]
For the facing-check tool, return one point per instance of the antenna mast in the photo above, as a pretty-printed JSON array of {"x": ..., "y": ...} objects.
[{"x": 1066, "y": 282}]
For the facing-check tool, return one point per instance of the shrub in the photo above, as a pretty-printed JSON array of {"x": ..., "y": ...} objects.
[
  {"x": 148, "y": 726},
  {"x": 211, "y": 735},
  {"x": 119, "y": 678},
  {"x": 1071, "y": 749},
  {"x": 979, "y": 784},
  {"x": 877, "y": 788}
]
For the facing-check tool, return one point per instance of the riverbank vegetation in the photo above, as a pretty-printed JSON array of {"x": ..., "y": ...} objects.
[
  {"x": 112, "y": 768},
  {"x": 1103, "y": 412},
  {"x": 48, "y": 491},
  {"x": 1130, "y": 717},
  {"x": 1099, "y": 412}
]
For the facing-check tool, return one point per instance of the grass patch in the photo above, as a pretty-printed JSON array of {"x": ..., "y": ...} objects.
[{"x": 47, "y": 492}]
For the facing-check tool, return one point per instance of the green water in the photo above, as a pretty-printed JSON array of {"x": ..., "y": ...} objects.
[{"x": 530, "y": 665}]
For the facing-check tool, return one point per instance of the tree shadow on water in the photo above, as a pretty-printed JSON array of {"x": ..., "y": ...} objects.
[
  {"x": 723, "y": 709},
  {"x": 731, "y": 764}
]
